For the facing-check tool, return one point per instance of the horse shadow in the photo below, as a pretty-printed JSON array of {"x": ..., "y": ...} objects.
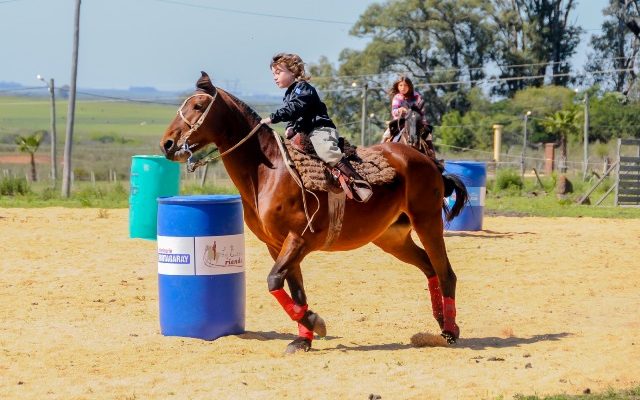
[
  {"x": 492, "y": 342},
  {"x": 485, "y": 234},
  {"x": 272, "y": 335},
  {"x": 481, "y": 343}
]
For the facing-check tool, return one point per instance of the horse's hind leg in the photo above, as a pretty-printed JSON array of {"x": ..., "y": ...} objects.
[
  {"x": 287, "y": 267},
  {"x": 397, "y": 241},
  {"x": 429, "y": 227}
]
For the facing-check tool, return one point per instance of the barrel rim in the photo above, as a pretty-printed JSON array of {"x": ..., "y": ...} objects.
[
  {"x": 471, "y": 162},
  {"x": 151, "y": 156},
  {"x": 200, "y": 199}
]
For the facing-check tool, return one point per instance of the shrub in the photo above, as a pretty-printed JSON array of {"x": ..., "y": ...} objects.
[
  {"x": 10, "y": 186},
  {"x": 508, "y": 179}
]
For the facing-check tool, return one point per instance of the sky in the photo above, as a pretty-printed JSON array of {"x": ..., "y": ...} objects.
[{"x": 166, "y": 43}]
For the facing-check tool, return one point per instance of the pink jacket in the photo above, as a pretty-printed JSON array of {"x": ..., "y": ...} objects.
[{"x": 399, "y": 101}]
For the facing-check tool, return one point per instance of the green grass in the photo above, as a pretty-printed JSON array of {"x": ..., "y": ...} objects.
[
  {"x": 525, "y": 202},
  {"x": 102, "y": 195},
  {"x": 547, "y": 205},
  {"x": 535, "y": 200},
  {"x": 630, "y": 394},
  {"x": 107, "y": 134},
  {"x": 138, "y": 121}
]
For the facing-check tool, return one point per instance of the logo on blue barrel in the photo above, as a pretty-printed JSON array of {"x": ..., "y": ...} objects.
[
  {"x": 222, "y": 256},
  {"x": 174, "y": 258}
]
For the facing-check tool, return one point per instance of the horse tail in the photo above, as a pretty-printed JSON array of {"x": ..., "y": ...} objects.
[{"x": 454, "y": 183}]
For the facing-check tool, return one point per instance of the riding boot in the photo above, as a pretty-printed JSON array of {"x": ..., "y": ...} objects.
[{"x": 361, "y": 188}]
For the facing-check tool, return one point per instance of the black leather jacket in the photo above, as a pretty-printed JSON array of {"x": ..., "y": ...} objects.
[{"x": 302, "y": 110}]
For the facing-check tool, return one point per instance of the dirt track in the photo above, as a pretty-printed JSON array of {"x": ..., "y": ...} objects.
[{"x": 544, "y": 305}]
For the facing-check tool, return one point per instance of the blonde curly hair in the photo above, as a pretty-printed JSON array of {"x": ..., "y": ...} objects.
[{"x": 293, "y": 63}]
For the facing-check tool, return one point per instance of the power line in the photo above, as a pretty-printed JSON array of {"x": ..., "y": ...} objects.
[
  {"x": 492, "y": 80},
  {"x": 22, "y": 88},
  {"x": 124, "y": 99},
  {"x": 437, "y": 70},
  {"x": 242, "y": 12}
]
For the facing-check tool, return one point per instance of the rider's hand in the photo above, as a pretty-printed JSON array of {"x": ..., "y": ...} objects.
[
  {"x": 402, "y": 111},
  {"x": 289, "y": 133},
  {"x": 266, "y": 121}
]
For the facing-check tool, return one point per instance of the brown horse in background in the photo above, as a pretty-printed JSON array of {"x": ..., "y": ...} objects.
[
  {"x": 410, "y": 130},
  {"x": 273, "y": 205}
]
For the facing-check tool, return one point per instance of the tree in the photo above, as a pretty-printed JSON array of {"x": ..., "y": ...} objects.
[
  {"x": 533, "y": 37},
  {"x": 342, "y": 99},
  {"x": 30, "y": 144},
  {"x": 616, "y": 48},
  {"x": 613, "y": 116},
  {"x": 563, "y": 124},
  {"x": 454, "y": 133},
  {"x": 438, "y": 43},
  {"x": 541, "y": 102}
]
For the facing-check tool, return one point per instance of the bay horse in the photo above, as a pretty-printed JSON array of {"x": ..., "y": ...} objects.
[
  {"x": 274, "y": 212},
  {"x": 410, "y": 130}
]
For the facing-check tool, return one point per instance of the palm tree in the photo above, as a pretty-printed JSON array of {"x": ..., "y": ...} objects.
[
  {"x": 29, "y": 144},
  {"x": 562, "y": 123}
]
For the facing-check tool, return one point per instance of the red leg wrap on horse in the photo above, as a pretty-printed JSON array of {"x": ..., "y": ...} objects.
[
  {"x": 294, "y": 310},
  {"x": 449, "y": 314},
  {"x": 436, "y": 297},
  {"x": 304, "y": 332}
]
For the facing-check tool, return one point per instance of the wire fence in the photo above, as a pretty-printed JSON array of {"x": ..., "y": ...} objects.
[{"x": 112, "y": 163}]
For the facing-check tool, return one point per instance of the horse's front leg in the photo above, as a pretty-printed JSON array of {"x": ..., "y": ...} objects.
[{"x": 287, "y": 267}]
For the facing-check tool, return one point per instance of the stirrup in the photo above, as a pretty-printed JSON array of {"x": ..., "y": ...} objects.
[
  {"x": 355, "y": 189},
  {"x": 348, "y": 185},
  {"x": 362, "y": 189}
]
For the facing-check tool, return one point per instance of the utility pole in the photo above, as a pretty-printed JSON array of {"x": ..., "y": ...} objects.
[
  {"x": 363, "y": 127},
  {"x": 524, "y": 144},
  {"x": 585, "y": 165},
  {"x": 54, "y": 164},
  {"x": 66, "y": 170}
]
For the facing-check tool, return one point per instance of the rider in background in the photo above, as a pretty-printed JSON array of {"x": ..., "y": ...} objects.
[
  {"x": 404, "y": 98},
  {"x": 306, "y": 114}
]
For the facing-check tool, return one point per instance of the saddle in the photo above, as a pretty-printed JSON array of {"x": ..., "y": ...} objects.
[{"x": 369, "y": 163}]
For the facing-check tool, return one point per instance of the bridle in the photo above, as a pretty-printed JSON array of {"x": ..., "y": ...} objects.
[
  {"x": 201, "y": 159},
  {"x": 194, "y": 127}
]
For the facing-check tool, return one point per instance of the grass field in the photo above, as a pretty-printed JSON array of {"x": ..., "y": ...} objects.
[
  {"x": 131, "y": 120},
  {"x": 108, "y": 133}
]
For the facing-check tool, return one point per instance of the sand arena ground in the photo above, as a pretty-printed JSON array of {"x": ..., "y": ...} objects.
[{"x": 545, "y": 305}]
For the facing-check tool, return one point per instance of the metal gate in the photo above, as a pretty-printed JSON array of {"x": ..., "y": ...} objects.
[{"x": 628, "y": 173}]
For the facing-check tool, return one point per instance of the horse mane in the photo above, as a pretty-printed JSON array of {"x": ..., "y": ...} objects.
[{"x": 244, "y": 107}]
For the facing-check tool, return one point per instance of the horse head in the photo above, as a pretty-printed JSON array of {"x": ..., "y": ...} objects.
[{"x": 184, "y": 136}]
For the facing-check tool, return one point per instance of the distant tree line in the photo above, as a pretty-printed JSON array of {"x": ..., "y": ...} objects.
[{"x": 479, "y": 63}]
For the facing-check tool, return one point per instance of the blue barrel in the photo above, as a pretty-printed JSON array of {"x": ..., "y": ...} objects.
[
  {"x": 474, "y": 176},
  {"x": 201, "y": 273},
  {"x": 152, "y": 176}
]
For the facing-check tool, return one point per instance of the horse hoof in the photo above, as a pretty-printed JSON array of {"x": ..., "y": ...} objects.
[
  {"x": 315, "y": 323},
  {"x": 319, "y": 327},
  {"x": 300, "y": 344},
  {"x": 450, "y": 336}
]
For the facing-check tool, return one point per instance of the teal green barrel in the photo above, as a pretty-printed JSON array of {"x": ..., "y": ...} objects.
[{"x": 152, "y": 176}]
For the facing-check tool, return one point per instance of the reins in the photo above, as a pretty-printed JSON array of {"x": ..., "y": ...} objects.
[{"x": 204, "y": 159}]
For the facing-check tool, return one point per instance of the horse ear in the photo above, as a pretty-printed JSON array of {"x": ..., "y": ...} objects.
[{"x": 204, "y": 83}]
